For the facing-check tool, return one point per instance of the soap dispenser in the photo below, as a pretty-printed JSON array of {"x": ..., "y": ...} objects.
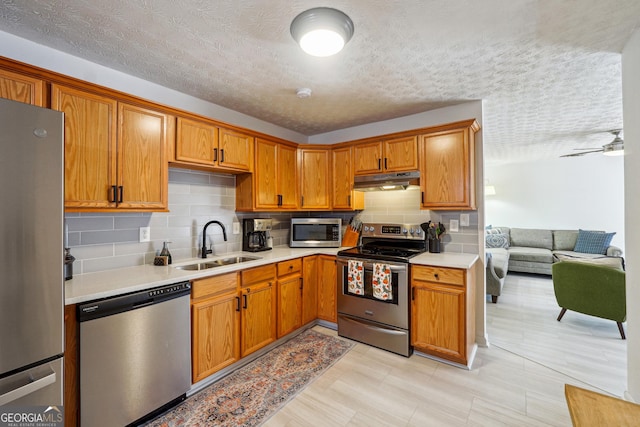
[{"x": 165, "y": 252}]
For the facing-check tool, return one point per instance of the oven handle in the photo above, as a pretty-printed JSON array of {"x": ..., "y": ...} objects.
[
  {"x": 368, "y": 264},
  {"x": 373, "y": 327}
]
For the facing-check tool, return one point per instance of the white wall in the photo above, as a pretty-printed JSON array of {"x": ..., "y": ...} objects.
[
  {"x": 565, "y": 193},
  {"x": 631, "y": 105}
]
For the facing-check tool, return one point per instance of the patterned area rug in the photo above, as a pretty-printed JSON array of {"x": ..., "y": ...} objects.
[{"x": 250, "y": 395}]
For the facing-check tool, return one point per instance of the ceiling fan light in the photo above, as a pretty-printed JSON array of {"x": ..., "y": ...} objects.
[
  {"x": 611, "y": 150},
  {"x": 322, "y": 31}
]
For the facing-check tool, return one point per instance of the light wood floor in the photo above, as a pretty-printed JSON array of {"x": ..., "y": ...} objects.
[
  {"x": 372, "y": 387},
  {"x": 584, "y": 347},
  {"x": 518, "y": 381}
]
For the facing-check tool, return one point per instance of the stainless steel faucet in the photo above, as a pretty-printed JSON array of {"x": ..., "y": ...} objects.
[{"x": 204, "y": 249}]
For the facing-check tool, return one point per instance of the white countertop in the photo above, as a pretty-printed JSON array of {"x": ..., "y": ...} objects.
[{"x": 103, "y": 284}]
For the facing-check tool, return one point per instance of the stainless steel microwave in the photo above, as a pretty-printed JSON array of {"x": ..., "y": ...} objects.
[{"x": 315, "y": 232}]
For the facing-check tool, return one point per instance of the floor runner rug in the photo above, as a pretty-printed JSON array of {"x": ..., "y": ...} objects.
[{"x": 250, "y": 395}]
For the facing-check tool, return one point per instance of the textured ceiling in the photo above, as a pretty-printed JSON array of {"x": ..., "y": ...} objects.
[{"x": 548, "y": 70}]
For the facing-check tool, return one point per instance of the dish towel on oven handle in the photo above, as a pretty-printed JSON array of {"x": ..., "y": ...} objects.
[
  {"x": 381, "y": 282},
  {"x": 355, "y": 277}
]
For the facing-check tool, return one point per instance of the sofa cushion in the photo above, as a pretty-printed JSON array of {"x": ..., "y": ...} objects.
[
  {"x": 564, "y": 240},
  {"x": 534, "y": 238},
  {"x": 498, "y": 240},
  {"x": 593, "y": 242},
  {"x": 530, "y": 254},
  {"x": 613, "y": 262}
]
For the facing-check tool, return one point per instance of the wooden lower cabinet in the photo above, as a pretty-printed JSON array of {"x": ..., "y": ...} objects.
[
  {"x": 258, "y": 308},
  {"x": 327, "y": 292},
  {"x": 289, "y": 296},
  {"x": 442, "y": 312},
  {"x": 309, "y": 289},
  {"x": 215, "y": 324},
  {"x": 71, "y": 367}
]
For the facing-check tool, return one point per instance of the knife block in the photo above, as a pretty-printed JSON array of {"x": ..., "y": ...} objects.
[{"x": 350, "y": 237}]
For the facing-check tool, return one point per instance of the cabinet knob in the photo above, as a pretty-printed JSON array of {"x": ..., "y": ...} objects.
[{"x": 436, "y": 276}]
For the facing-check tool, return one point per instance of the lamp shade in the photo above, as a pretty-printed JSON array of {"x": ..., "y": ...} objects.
[{"x": 322, "y": 31}]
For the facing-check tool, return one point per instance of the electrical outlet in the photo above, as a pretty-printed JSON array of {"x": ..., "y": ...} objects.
[
  {"x": 464, "y": 220},
  {"x": 145, "y": 234},
  {"x": 236, "y": 228},
  {"x": 453, "y": 225}
]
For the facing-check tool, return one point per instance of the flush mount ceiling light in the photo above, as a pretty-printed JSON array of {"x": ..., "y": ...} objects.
[{"x": 322, "y": 31}]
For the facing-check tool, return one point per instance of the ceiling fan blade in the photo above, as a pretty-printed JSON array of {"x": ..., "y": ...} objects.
[{"x": 583, "y": 153}]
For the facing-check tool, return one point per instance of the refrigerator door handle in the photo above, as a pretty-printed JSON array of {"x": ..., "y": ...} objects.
[{"x": 27, "y": 389}]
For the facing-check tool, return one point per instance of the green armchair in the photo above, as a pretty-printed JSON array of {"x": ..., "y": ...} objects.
[{"x": 590, "y": 289}]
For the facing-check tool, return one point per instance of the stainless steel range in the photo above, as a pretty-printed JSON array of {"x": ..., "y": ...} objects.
[{"x": 373, "y": 286}]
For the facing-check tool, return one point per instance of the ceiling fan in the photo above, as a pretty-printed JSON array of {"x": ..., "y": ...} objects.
[{"x": 614, "y": 148}]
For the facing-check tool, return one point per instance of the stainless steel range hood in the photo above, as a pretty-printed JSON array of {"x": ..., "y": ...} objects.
[{"x": 386, "y": 181}]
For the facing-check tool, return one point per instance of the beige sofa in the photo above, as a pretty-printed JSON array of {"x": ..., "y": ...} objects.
[{"x": 529, "y": 250}]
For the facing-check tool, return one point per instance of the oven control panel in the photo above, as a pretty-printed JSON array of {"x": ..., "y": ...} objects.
[{"x": 397, "y": 231}]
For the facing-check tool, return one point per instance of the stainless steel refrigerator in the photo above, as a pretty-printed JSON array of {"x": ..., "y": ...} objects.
[{"x": 31, "y": 255}]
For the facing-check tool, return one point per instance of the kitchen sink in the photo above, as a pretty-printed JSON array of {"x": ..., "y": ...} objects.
[{"x": 216, "y": 263}]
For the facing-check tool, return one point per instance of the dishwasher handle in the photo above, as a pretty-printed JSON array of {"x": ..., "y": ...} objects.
[{"x": 132, "y": 301}]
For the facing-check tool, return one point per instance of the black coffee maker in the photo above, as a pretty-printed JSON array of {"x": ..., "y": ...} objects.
[{"x": 255, "y": 233}]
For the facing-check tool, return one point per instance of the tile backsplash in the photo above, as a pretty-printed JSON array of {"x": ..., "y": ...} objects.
[{"x": 104, "y": 241}]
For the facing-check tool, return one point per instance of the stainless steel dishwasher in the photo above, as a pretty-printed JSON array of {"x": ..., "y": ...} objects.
[{"x": 135, "y": 354}]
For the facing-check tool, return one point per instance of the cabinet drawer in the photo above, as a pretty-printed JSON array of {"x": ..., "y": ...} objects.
[
  {"x": 449, "y": 276},
  {"x": 290, "y": 266},
  {"x": 214, "y": 285},
  {"x": 258, "y": 274}
]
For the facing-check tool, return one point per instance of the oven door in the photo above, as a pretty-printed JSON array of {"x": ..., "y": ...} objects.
[{"x": 393, "y": 312}]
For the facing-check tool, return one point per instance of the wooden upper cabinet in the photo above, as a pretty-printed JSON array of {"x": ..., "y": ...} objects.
[
  {"x": 368, "y": 158},
  {"x": 115, "y": 153},
  {"x": 90, "y": 132},
  {"x": 18, "y": 87},
  {"x": 273, "y": 184},
  {"x": 287, "y": 177},
  {"x": 447, "y": 168},
  {"x": 400, "y": 154},
  {"x": 196, "y": 142},
  {"x": 201, "y": 143},
  {"x": 343, "y": 195},
  {"x": 235, "y": 150},
  {"x": 315, "y": 188},
  {"x": 142, "y": 158},
  {"x": 393, "y": 155}
]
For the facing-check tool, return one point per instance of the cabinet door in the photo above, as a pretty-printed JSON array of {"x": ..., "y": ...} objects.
[
  {"x": 315, "y": 191},
  {"x": 447, "y": 170},
  {"x": 196, "y": 142},
  {"x": 258, "y": 317},
  {"x": 21, "y": 88},
  {"x": 235, "y": 150},
  {"x": 287, "y": 177},
  {"x": 368, "y": 158},
  {"x": 89, "y": 147},
  {"x": 289, "y": 304},
  {"x": 327, "y": 309},
  {"x": 344, "y": 197},
  {"x": 215, "y": 334},
  {"x": 401, "y": 154},
  {"x": 438, "y": 320},
  {"x": 142, "y": 158},
  {"x": 309, "y": 289},
  {"x": 266, "y": 174}
]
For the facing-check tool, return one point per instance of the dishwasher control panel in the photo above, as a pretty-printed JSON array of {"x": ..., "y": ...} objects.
[
  {"x": 132, "y": 301},
  {"x": 169, "y": 289}
]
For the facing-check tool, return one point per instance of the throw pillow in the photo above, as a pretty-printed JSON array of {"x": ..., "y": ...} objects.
[
  {"x": 593, "y": 242},
  {"x": 496, "y": 241},
  {"x": 493, "y": 231},
  {"x": 613, "y": 262}
]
